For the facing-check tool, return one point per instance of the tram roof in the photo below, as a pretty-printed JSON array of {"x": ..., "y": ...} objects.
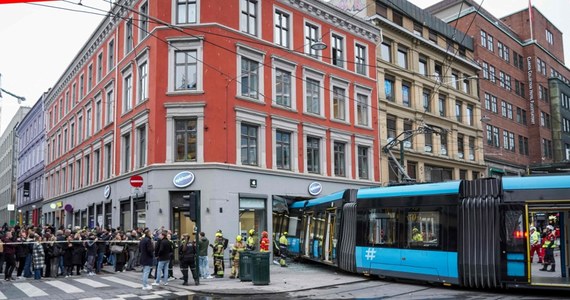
[
  {"x": 428, "y": 189},
  {"x": 536, "y": 182},
  {"x": 316, "y": 201}
]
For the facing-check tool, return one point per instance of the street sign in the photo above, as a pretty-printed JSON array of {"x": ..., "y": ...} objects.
[{"x": 136, "y": 181}]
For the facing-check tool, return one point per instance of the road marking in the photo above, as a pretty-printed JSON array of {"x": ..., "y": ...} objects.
[
  {"x": 91, "y": 282},
  {"x": 94, "y": 298},
  {"x": 183, "y": 293},
  {"x": 66, "y": 287},
  {"x": 30, "y": 290},
  {"x": 161, "y": 292},
  {"x": 151, "y": 297},
  {"x": 123, "y": 282},
  {"x": 2, "y": 296},
  {"x": 127, "y": 296}
]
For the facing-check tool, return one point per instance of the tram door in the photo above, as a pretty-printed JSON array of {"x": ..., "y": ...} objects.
[
  {"x": 330, "y": 242},
  {"x": 308, "y": 233}
]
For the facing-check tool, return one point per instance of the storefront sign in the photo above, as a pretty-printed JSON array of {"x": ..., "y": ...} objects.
[
  {"x": 530, "y": 89},
  {"x": 315, "y": 188},
  {"x": 107, "y": 191},
  {"x": 183, "y": 179},
  {"x": 11, "y": 207}
]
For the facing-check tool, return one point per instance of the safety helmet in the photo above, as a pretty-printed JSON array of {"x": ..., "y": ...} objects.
[
  {"x": 264, "y": 234},
  {"x": 218, "y": 234},
  {"x": 251, "y": 232},
  {"x": 285, "y": 233},
  {"x": 550, "y": 227},
  {"x": 238, "y": 238},
  {"x": 415, "y": 230},
  {"x": 532, "y": 228}
]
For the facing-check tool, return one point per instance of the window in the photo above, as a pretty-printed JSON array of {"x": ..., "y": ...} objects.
[
  {"x": 87, "y": 169},
  {"x": 127, "y": 92},
  {"x": 460, "y": 146},
  {"x": 143, "y": 21},
  {"x": 391, "y": 127},
  {"x": 73, "y": 94},
  {"x": 454, "y": 79},
  {"x": 313, "y": 96},
  {"x": 438, "y": 72},
  {"x": 281, "y": 33},
  {"x": 397, "y": 18},
  {"x": 99, "y": 66},
  {"x": 186, "y": 139},
  {"x": 141, "y": 146},
  {"x": 339, "y": 159},
  {"x": 470, "y": 114},
  {"x": 483, "y": 39},
  {"x": 339, "y": 103},
  {"x": 459, "y": 111},
  {"x": 249, "y": 78},
  {"x": 98, "y": 113},
  {"x": 389, "y": 88},
  {"x": 492, "y": 76},
  {"x": 386, "y": 51},
  {"x": 441, "y": 105},
  {"x": 249, "y": 155},
  {"x": 549, "y": 37},
  {"x": 485, "y": 70},
  {"x": 443, "y": 141},
  {"x": 81, "y": 86},
  {"x": 109, "y": 106},
  {"x": 126, "y": 153},
  {"x": 403, "y": 57},
  {"x": 108, "y": 160},
  {"x": 337, "y": 51},
  {"x": 96, "y": 165},
  {"x": 426, "y": 97},
  {"x": 472, "y": 148},
  {"x": 496, "y": 141},
  {"x": 89, "y": 77},
  {"x": 186, "y": 71},
  {"x": 71, "y": 135},
  {"x": 490, "y": 44},
  {"x": 311, "y": 37},
  {"x": 423, "y": 229},
  {"x": 502, "y": 79},
  {"x": 283, "y": 149},
  {"x": 422, "y": 65},
  {"x": 383, "y": 225},
  {"x": 65, "y": 140},
  {"x": 494, "y": 107},
  {"x": 418, "y": 29},
  {"x": 504, "y": 109},
  {"x": 186, "y": 11},
  {"x": 509, "y": 111},
  {"x": 406, "y": 97},
  {"x": 111, "y": 55},
  {"x": 143, "y": 82},
  {"x": 408, "y": 135},
  {"x": 360, "y": 59},
  {"x": 79, "y": 129},
  {"x": 129, "y": 43},
  {"x": 362, "y": 109},
  {"x": 466, "y": 84},
  {"x": 428, "y": 144},
  {"x": 88, "y": 121},
  {"x": 248, "y": 16},
  {"x": 313, "y": 155},
  {"x": 433, "y": 35},
  {"x": 363, "y": 161},
  {"x": 283, "y": 87}
]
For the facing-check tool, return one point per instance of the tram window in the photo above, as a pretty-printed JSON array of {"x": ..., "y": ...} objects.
[
  {"x": 382, "y": 227},
  {"x": 514, "y": 229},
  {"x": 423, "y": 229}
]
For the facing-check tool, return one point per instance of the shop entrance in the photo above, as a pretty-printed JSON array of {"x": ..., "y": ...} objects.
[
  {"x": 540, "y": 218},
  {"x": 183, "y": 212}
]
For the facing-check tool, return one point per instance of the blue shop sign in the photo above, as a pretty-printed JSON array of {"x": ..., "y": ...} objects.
[{"x": 183, "y": 179}]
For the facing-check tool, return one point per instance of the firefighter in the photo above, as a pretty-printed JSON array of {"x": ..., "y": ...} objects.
[
  {"x": 283, "y": 244},
  {"x": 264, "y": 243},
  {"x": 251, "y": 241},
  {"x": 218, "y": 255},
  {"x": 548, "y": 246},
  {"x": 238, "y": 247},
  {"x": 534, "y": 244}
]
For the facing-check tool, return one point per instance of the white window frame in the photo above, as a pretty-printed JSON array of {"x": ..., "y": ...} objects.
[
  {"x": 175, "y": 12},
  {"x": 255, "y": 118},
  {"x": 308, "y": 50},
  {"x": 337, "y": 136},
  {"x": 100, "y": 72},
  {"x": 98, "y": 112},
  {"x": 343, "y": 48},
  {"x": 369, "y": 143},
  {"x": 320, "y": 77},
  {"x": 185, "y": 44},
  {"x": 258, "y": 16},
  {"x": 88, "y": 121},
  {"x": 289, "y": 28},
  {"x": 244, "y": 51},
  {"x": 344, "y": 84},
  {"x": 127, "y": 104},
  {"x": 140, "y": 96},
  {"x": 111, "y": 55},
  {"x": 313, "y": 130},
  {"x": 278, "y": 63},
  {"x": 356, "y": 45},
  {"x": 367, "y": 91},
  {"x": 142, "y": 18},
  {"x": 126, "y": 37},
  {"x": 292, "y": 127},
  {"x": 140, "y": 122},
  {"x": 109, "y": 104},
  {"x": 184, "y": 110},
  {"x": 126, "y": 129}
]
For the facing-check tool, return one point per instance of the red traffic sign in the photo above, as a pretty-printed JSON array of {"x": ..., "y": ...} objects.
[{"x": 136, "y": 181}]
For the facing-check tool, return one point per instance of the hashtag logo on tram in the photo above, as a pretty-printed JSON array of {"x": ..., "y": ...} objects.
[{"x": 370, "y": 254}]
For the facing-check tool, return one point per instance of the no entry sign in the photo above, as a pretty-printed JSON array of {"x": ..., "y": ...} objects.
[{"x": 136, "y": 181}]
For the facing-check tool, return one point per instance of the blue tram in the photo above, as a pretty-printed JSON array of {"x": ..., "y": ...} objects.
[{"x": 466, "y": 233}]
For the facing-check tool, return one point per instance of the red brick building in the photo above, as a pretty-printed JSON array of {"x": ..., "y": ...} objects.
[
  {"x": 221, "y": 101},
  {"x": 521, "y": 114}
]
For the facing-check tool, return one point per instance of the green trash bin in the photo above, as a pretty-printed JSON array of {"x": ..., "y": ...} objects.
[
  {"x": 260, "y": 268},
  {"x": 245, "y": 265}
]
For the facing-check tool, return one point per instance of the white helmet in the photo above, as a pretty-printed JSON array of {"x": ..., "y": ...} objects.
[{"x": 550, "y": 227}]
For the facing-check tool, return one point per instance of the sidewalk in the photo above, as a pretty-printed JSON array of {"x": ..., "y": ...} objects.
[{"x": 296, "y": 277}]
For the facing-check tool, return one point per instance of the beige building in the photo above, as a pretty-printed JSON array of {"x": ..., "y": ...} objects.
[{"x": 429, "y": 109}]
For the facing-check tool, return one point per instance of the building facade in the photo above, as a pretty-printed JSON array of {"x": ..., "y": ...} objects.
[
  {"x": 428, "y": 96},
  {"x": 516, "y": 64},
  {"x": 9, "y": 162},
  {"x": 30, "y": 138},
  {"x": 223, "y": 102}
]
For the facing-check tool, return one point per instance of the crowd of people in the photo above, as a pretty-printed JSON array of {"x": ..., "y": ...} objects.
[{"x": 64, "y": 252}]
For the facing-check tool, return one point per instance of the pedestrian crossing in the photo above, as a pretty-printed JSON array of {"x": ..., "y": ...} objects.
[{"x": 92, "y": 288}]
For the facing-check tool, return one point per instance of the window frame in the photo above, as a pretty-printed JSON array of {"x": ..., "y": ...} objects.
[
  {"x": 283, "y": 14},
  {"x": 278, "y": 64},
  {"x": 310, "y": 74},
  {"x": 244, "y": 8},
  {"x": 175, "y": 11},
  {"x": 338, "y": 44},
  {"x": 185, "y": 44},
  {"x": 285, "y": 126}
]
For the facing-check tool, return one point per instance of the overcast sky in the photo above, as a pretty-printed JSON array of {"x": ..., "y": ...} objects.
[{"x": 37, "y": 43}]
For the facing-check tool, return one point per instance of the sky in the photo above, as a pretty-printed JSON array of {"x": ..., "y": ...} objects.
[{"x": 37, "y": 43}]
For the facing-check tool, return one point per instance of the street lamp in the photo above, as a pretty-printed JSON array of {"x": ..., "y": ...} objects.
[
  {"x": 485, "y": 119},
  {"x": 319, "y": 45}
]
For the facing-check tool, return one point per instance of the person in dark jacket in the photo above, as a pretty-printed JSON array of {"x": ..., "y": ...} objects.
[
  {"x": 22, "y": 251},
  {"x": 101, "y": 248},
  {"x": 9, "y": 255},
  {"x": 68, "y": 256},
  {"x": 120, "y": 256},
  {"x": 78, "y": 253},
  {"x": 91, "y": 248},
  {"x": 187, "y": 253},
  {"x": 163, "y": 257},
  {"x": 146, "y": 250}
]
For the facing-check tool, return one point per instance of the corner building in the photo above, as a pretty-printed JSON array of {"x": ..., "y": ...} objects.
[
  {"x": 523, "y": 86},
  {"x": 225, "y": 102},
  {"x": 427, "y": 78}
]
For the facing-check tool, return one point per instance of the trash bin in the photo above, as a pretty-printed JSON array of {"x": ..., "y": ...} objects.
[
  {"x": 245, "y": 265},
  {"x": 260, "y": 268}
]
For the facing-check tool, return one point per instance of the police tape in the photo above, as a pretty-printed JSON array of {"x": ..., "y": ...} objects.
[{"x": 111, "y": 242}]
